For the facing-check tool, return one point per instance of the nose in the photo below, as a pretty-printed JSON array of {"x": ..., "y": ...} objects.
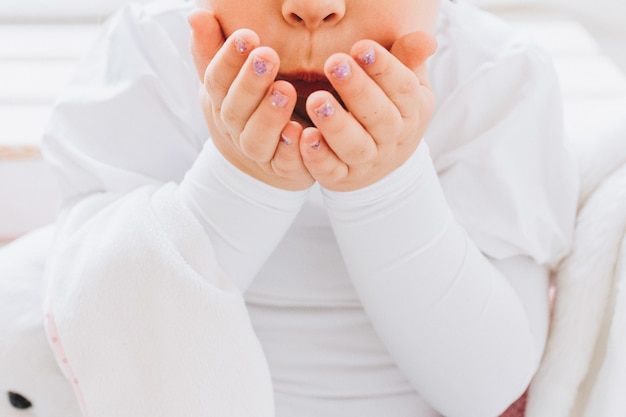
[{"x": 313, "y": 14}]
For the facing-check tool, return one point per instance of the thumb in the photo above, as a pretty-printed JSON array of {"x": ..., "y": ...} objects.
[
  {"x": 413, "y": 49},
  {"x": 206, "y": 39}
]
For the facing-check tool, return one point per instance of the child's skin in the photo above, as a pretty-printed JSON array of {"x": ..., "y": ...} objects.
[{"x": 265, "y": 65}]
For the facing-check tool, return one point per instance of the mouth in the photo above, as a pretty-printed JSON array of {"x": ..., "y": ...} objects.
[{"x": 305, "y": 84}]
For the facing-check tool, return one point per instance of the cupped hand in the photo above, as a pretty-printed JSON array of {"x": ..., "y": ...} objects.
[
  {"x": 389, "y": 103},
  {"x": 248, "y": 112}
]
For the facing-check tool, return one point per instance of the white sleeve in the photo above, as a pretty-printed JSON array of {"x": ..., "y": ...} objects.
[
  {"x": 451, "y": 256},
  {"x": 450, "y": 320},
  {"x": 244, "y": 218}
]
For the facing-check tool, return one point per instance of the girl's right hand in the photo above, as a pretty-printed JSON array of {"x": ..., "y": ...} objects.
[{"x": 248, "y": 112}]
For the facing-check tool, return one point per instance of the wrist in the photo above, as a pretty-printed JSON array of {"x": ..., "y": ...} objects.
[
  {"x": 407, "y": 202},
  {"x": 396, "y": 183},
  {"x": 243, "y": 217},
  {"x": 264, "y": 172},
  {"x": 242, "y": 183}
]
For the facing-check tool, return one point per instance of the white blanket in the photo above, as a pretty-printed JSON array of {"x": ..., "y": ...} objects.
[
  {"x": 583, "y": 372},
  {"x": 102, "y": 316}
]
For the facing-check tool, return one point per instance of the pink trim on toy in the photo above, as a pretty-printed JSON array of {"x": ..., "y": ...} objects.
[
  {"x": 518, "y": 408},
  {"x": 59, "y": 352}
]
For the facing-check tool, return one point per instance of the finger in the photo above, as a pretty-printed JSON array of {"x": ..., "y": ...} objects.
[
  {"x": 249, "y": 87},
  {"x": 367, "y": 102},
  {"x": 291, "y": 135},
  {"x": 321, "y": 161},
  {"x": 262, "y": 132},
  {"x": 206, "y": 39},
  {"x": 413, "y": 49},
  {"x": 226, "y": 64},
  {"x": 342, "y": 132},
  {"x": 399, "y": 82},
  {"x": 287, "y": 160}
]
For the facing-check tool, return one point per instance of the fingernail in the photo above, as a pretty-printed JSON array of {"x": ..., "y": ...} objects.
[
  {"x": 367, "y": 57},
  {"x": 278, "y": 99},
  {"x": 284, "y": 139},
  {"x": 325, "y": 110},
  {"x": 260, "y": 66},
  {"x": 241, "y": 45},
  {"x": 342, "y": 70}
]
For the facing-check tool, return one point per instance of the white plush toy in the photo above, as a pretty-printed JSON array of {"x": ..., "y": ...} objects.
[{"x": 31, "y": 383}]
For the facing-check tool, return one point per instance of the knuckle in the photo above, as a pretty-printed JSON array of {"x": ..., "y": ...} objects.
[
  {"x": 205, "y": 100},
  {"x": 361, "y": 154},
  {"x": 397, "y": 127},
  {"x": 378, "y": 114},
  {"x": 229, "y": 116},
  {"x": 253, "y": 149},
  {"x": 283, "y": 168},
  {"x": 287, "y": 164},
  {"x": 213, "y": 82},
  {"x": 408, "y": 88},
  {"x": 334, "y": 173},
  {"x": 409, "y": 85}
]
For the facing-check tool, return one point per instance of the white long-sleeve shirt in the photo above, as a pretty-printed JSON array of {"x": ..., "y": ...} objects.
[{"x": 424, "y": 293}]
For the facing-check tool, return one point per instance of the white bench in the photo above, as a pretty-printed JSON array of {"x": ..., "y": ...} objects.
[{"x": 37, "y": 60}]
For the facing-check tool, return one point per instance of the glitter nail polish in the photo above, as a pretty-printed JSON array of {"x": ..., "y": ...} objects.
[
  {"x": 278, "y": 99},
  {"x": 342, "y": 70},
  {"x": 260, "y": 66},
  {"x": 367, "y": 57},
  {"x": 325, "y": 110},
  {"x": 241, "y": 45}
]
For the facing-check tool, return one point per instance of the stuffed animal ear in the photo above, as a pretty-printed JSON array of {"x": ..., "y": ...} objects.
[{"x": 18, "y": 401}]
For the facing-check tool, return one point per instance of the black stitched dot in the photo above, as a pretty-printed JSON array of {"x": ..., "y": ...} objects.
[{"x": 19, "y": 401}]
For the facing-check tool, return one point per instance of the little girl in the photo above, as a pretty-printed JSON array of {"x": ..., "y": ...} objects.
[{"x": 347, "y": 223}]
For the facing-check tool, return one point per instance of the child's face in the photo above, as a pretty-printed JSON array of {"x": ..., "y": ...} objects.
[{"x": 306, "y": 32}]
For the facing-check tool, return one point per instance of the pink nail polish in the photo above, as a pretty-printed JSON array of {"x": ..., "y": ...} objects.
[
  {"x": 241, "y": 45},
  {"x": 260, "y": 66},
  {"x": 342, "y": 70},
  {"x": 367, "y": 57},
  {"x": 278, "y": 99},
  {"x": 325, "y": 110}
]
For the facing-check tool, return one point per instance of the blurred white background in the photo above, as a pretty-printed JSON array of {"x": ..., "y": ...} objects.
[
  {"x": 604, "y": 19},
  {"x": 38, "y": 10}
]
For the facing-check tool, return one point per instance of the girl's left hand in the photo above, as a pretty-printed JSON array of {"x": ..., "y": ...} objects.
[{"x": 389, "y": 105}]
